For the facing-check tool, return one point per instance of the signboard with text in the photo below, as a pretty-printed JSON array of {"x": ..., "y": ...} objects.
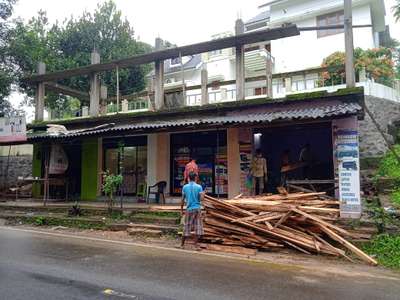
[
  {"x": 348, "y": 167},
  {"x": 12, "y": 129}
]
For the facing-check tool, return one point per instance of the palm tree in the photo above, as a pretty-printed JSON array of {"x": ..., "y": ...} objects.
[{"x": 396, "y": 11}]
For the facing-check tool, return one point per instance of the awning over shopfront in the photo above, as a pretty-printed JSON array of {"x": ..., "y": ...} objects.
[{"x": 246, "y": 113}]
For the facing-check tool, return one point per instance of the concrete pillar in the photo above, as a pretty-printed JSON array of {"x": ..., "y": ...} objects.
[
  {"x": 240, "y": 71},
  {"x": 163, "y": 158},
  {"x": 124, "y": 105},
  {"x": 103, "y": 99},
  {"x": 159, "y": 78},
  {"x": 151, "y": 159},
  {"x": 288, "y": 84},
  {"x": 85, "y": 111},
  {"x": 233, "y": 153},
  {"x": 40, "y": 94},
  {"x": 396, "y": 85},
  {"x": 362, "y": 75},
  {"x": 268, "y": 74},
  {"x": 204, "y": 89},
  {"x": 224, "y": 94},
  {"x": 158, "y": 158},
  {"x": 94, "y": 87}
]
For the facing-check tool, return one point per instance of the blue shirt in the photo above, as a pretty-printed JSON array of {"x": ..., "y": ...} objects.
[{"x": 191, "y": 192}]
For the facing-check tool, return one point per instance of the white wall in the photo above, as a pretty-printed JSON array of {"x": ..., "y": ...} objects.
[
  {"x": 307, "y": 51},
  {"x": 16, "y": 150}
]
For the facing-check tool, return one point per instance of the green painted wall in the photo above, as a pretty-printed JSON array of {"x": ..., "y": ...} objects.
[
  {"x": 36, "y": 169},
  {"x": 89, "y": 169}
]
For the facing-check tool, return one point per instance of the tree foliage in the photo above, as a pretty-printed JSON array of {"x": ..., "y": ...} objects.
[
  {"x": 396, "y": 11},
  {"x": 6, "y": 8},
  {"x": 378, "y": 63},
  {"x": 69, "y": 45}
]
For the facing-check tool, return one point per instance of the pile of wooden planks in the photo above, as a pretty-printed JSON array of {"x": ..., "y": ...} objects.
[{"x": 301, "y": 221}]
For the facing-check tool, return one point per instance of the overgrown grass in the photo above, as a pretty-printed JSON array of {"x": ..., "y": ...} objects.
[
  {"x": 386, "y": 249},
  {"x": 395, "y": 197},
  {"x": 389, "y": 167}
]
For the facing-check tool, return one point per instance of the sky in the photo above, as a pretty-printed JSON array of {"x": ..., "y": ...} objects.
[{"x": 179, "y": 21}]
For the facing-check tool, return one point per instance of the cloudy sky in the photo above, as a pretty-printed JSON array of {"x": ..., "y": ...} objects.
[{"x": 179, "y": 21}]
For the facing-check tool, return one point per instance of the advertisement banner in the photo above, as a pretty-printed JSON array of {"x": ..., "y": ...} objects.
[
  {"x": 348, "y": 168},
  {"x": 58, "y": 160},
  {"x": 12, "y": 129}
]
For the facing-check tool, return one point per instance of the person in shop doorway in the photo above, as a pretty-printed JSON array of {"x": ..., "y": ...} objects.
[
  {"x": 191, "y": 167},
  {"x": 259, "y": 172},
  {"x": 306, "y": 157},
  {"x": 192, "y": 195}
]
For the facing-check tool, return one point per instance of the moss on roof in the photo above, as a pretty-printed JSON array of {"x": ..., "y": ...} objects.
[{"x": 217, "y": 106}]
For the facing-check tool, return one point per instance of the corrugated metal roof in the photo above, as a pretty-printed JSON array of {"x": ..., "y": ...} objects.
[{"x": 305, "y": 111}]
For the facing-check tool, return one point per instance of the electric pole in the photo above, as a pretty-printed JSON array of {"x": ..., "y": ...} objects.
[{"x": 349, "y": 46}]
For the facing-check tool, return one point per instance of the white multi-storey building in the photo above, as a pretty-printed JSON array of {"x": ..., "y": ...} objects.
[
  {"x": 313, "y": 46},
  {"x": 288, "y": 56}
]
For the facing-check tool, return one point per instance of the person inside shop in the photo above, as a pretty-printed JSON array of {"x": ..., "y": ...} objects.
[
  {"x": 285, "y": 162},
  {"x": 259, "y": 172},
  {"x": 191, "y": 167},
  {"x": 306, "y": 157},
  {"x": 192, "y": 195}
]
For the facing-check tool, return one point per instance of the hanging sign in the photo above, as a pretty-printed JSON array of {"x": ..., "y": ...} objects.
[
  {"x": 58, "y": 160},
  {"x": 348, "y": 163},
  {"x": 12, "y": 129}
]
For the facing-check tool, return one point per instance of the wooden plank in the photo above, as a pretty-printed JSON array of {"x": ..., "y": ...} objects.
[
  {"x": 333, "y": 235},
  {"x": 283, "y": 218},
  {"x": 322, "y": 222}
]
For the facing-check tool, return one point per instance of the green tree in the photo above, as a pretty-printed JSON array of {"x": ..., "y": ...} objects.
[
  {"x": 69, "y": 44},
  {"x": 396, "y": 10},
  {"x": 377, "y": 62},
  {"x": 6, "y": 8}
]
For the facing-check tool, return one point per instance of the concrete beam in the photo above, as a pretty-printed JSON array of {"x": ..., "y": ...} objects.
[
  {"x": 240, "y": 71},
  {"x": 40, "y": 94},
  {"x": 228, "y": 42},
  {"x": 65, "y": 90}
]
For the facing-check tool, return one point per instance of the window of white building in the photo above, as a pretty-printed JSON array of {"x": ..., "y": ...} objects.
[
  {"x": 298, "y": 83},
  {"x": 336, "y": 18}
]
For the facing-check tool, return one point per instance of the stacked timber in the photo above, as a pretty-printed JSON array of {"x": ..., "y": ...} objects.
[{"x": 301, "y": 221}]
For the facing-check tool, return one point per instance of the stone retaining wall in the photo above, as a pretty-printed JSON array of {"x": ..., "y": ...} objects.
[
  {"x": 18, "y": 166},
  {"x": 386, "y": 113}
]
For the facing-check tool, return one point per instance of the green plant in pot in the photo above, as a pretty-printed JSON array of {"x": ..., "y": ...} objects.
[{"x": 111, "y": 183}]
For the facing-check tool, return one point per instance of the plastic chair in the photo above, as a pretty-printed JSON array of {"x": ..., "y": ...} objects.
[
  {"x": 142, "y": 187},
  {"x": 157, "y": 190}
]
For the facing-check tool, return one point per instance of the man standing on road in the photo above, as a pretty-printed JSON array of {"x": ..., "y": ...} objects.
[{"x": 192, "y": 194}]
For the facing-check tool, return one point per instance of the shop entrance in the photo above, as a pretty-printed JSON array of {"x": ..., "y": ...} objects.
[
  {"x": 129, "y": 156},
  {"x": 285, "y": 145},
  {"x": 209, "y": 148}
]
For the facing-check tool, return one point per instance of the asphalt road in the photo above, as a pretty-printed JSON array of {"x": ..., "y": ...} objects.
[{"x": 36, "y": 266}]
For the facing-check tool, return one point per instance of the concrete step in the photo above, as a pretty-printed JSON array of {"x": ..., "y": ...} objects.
[
  {"x": 166, "y": 229},
  {"x": 150, "y": 219},
  {"x": 145, "y": 232}
]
